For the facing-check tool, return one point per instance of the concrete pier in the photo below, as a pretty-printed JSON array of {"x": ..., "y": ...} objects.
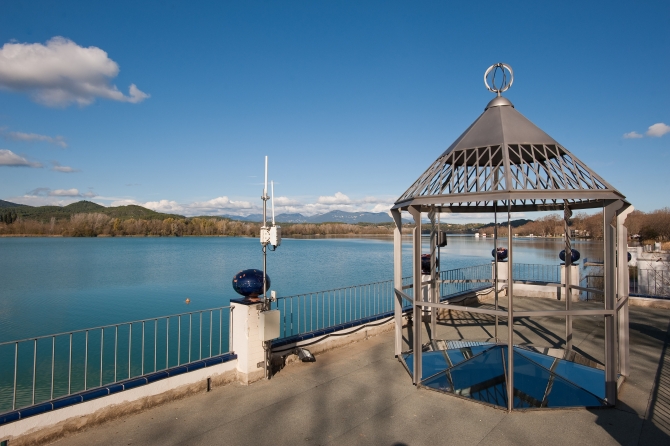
[{"x": 360, "y": 394}]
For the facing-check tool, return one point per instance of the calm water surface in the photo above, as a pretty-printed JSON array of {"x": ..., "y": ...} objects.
[{"x": 52, "y": 285}]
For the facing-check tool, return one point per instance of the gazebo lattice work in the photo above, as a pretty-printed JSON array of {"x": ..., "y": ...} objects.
[{"x": 505, "y": 163}]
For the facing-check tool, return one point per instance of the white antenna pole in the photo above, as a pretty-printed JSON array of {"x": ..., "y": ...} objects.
[
  {"x": 272, "y": 184},
  {"x": 265, "y": 189}
]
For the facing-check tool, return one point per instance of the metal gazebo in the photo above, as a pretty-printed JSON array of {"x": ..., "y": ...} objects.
[{"x": 505, "y": 163}]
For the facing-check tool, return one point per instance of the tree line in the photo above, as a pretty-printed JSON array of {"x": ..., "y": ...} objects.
[
  {"x": 648, "y": 226},
  {"x": 98, "y": 224}
]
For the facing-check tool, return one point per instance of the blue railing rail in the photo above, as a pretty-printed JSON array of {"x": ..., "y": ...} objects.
[
  {"x": 536, "y": 273},
  {"x": 311, "y": 312},
  {"x": 304, "y": 313},
  {"x": 45, "y": 368},
  {"x": 458, "y": 280}
]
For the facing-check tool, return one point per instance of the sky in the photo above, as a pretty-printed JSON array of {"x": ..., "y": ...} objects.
[{"x": 173, "y": 105}]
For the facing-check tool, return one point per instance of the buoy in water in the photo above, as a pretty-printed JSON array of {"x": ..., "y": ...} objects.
[{"x": 188, "y": 301}]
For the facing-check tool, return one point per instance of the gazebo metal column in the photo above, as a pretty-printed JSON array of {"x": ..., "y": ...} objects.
[
  {"x": 417, "y": 308},
  {"x": 510, "y": 314},
  {"x": 623, "y": 288},
  {"x": 610, "y": 273},
  {"x": 397, "y": 278},
  {"x": 567, "y": 213},
  {"x": 433, "y": 290},
  {"x": 495, "y": 265}
]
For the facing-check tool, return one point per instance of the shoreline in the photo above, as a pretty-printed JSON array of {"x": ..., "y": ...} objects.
[{"x": 297, "y": 237}]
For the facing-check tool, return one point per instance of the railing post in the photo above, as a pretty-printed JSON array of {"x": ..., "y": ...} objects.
[
  {"x": 34, "y": 367},
  {"x": 130, "y": 345},
  {"x": 53, "y": 363},
  {"x": 69, "y": 369},
  {"x": 116, "y": 348},
  {"x": 86, "y": 361},
  {"x": 102, "y": 353},
  {"x": 16, "y": 371}
]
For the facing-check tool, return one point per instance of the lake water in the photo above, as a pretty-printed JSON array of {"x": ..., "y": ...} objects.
[{"x": 51, "y": 285}]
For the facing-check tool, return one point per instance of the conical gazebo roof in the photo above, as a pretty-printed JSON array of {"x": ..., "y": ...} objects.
[{"x": 504, "y": 156}]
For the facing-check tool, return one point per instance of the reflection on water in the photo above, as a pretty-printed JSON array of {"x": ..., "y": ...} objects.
[{"x": 52, "y": 285}]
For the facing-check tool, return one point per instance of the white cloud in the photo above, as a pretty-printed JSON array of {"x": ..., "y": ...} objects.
[
  {"x": 9, "y": 158},
  {"x": 338, "y": 198},
  {"x": 169, "y": 207},
  {"x": 39, "y": 200},
  {"x": 285, "y": 201},
  {"x": 65, "y": 193},
  {"x": 20, "y": 136},
  {"x": 632, "y": 135},
  {"x": 61, "y": 73},
  {"x": 120, "y": 201},
  {"x": 215, "y": 206},
  {"x": 47, "y": 192},
  {"x": 382, "y": 207},
  {"x": 657, "y": 130},
  {"x": 64, "y": 169},
  {"x": 225, "y": 206}
]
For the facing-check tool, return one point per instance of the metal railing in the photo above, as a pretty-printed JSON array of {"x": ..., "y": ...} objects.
[
  {"x": 45, "y": 368},
  {"x": 459, "y": 279},
  {"x": 304, "y": 313},
  {"x": 536, "y": 273},
  {"x": 593, "y": 281},
  {"x": 651, "y": 282}
]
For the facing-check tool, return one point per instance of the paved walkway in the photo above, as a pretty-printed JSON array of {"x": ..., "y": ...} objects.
[{"x": 361, "y": 394}]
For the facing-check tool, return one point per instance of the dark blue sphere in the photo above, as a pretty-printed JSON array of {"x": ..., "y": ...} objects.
[
  {"x": 249, "y": 283},
  {"x": 629, "y": 256},
  {"x": 575, "y": 256},
  {"x": 502, "y": 254},
  {"x": 425, "y": 263}
]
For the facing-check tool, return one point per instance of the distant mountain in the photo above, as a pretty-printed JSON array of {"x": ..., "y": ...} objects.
[
  {"x": 45, "y": 213},
  {"x": 9, "y": 204},
  {"x": 329, "y": 217},
  {"x": 351, "y": 217}
]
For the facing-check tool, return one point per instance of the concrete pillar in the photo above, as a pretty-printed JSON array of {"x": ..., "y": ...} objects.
[
  {"x": 574, "y": 281},
  {"x": 247, "y": 340},
  {"x": 503, "y": 271},
  {"x": 426, "y": 294}
]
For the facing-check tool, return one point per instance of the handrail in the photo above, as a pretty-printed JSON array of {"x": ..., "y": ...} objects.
[
  {"x": 62, "y": 364},
  {"x": 81, "y": 330}
]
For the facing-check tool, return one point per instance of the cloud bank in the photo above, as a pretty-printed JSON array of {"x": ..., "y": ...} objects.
[
  {"x": 71, "y": 193},
  {"x": 11, "y": 159},
  {"x": 226, "y": 206},
  {"x": 654, "y": 131},
  {"x": 56, "y": 167},
  {"x": 61, "y": 73},
  {"x": 20, "y": 136},
  {"x": 657, "y": 130},
  {"x": 632, "y": 135}
]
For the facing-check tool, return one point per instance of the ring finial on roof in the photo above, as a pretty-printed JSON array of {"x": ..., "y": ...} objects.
[{"x": 499, "y": 70}]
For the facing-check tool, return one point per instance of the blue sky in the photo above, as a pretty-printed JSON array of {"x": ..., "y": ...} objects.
[{"x": 173, "y": 105}]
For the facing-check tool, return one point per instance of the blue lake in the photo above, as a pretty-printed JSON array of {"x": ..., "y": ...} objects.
[{"x": 51, "y": 285}]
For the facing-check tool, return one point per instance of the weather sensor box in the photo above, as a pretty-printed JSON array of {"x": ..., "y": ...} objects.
[
  {"x": 275, "y": 236},
  {"x": 269, "y": 324}
]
